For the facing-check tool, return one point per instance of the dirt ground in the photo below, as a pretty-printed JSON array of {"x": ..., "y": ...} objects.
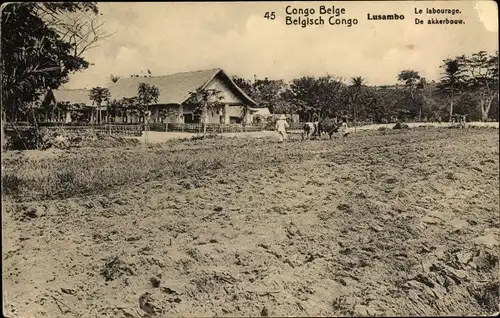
[
  {"x": 159, "y": 137},
  {"x": 379, "y": 223}
]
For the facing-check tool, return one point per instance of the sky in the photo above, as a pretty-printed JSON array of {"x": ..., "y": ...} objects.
[{"x": 174, "y": 37}]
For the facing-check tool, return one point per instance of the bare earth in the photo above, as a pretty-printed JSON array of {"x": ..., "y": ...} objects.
[
  {"x": 379, "y": 223},
  {"x": 159, "y": 137}
]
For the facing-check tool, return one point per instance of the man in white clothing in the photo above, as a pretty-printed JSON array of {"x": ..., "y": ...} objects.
[{"x": 281, "y": 126}]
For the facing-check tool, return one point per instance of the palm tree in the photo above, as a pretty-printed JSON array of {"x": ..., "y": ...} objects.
[
  {"x": 114, "y": 78},
  {"x": 357, "y": 85},
  {"x": 99, "y": 95},
  {"x": 147, "y": 94}
]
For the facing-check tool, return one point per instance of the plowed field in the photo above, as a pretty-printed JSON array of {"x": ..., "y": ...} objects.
[{"x": 379, "y": 223}]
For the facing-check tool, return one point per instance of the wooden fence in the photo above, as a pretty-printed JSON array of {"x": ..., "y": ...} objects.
[
  {"x": 211, "y": 128},
  {"x": 117, "y": 130}
]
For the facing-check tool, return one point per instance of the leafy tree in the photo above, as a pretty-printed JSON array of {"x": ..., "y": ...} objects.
[
  {"x": 35, "y": 56},
  {"x": 77, "y": 111},
  {"x": 205, "y": 100},
  {"x": 410, "y": 78},
  {"x": 245, "y": 84},
  {"x": 300, "y": 93},
  {"x": 453, "y": 79},
  {"x": 112, "y": 108},
  {"x": 495, "y": 110},
  {"x": 385, "y": 104},
  {"x": 328, "y": 96},
  {"x": 482, "y": 73},
  {"x": 468, "y": 104},
  {"x": 266, "y": 92},
  {"x": 146, "y": 95},
  {"x": 378, "y": 108},
  {"x": 167, "y": 112},
  {"x": 128, "y": 105},
  {"x": 76, "y": 23},
  {"x": 316, "y": 97},
  {"x": 98, "y": 95},
  {"x": 284, "y": 103},
  {"x": 138, "y": 105},
  {"x": 434, "y": 105}
]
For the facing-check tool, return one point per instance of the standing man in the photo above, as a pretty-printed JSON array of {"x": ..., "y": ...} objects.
[{"x": 281, "y": 126}]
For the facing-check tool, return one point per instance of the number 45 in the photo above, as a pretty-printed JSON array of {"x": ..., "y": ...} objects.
[{"x": 269, "y": 15}]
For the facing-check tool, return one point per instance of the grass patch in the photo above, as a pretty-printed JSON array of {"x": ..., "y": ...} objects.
[
  {"x": 83, "y": 171},
  {"x": 65, "y": 173}
]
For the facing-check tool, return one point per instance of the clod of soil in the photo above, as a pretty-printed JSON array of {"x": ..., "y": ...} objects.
[
  {"x": 155, "y": 282},
  {"x": 114, "y": 268}
]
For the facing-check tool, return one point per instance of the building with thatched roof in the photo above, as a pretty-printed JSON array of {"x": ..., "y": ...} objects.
[
  {"x": 70, "y": 105},
  {"x": 174, "y": 104}
]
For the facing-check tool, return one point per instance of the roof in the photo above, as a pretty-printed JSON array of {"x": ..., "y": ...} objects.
[
  {"x": 175, "y": 88},
  {"x": 74, "y": 96},
  {"x": 262, "y": 111}
]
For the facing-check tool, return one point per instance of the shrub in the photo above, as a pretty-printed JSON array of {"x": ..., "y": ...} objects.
[
  {"x": 11, "y": 184},
  {"x": 400, "y": 126},
  {"x": 25, "y": 139},
  {"x": 209, "y": 135},
  {"x": 158, "y": 127},
  {"x": 270, "y": 125}
]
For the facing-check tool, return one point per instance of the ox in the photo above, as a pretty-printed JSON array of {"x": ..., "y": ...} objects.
[
  {"x": 331, "y": 126},
  {"x": 312, "y": 129},
  {"x": 327, "y": 125}
]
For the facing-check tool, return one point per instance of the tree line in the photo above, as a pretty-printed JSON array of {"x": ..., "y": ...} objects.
[{"x": 468, "y": 86}]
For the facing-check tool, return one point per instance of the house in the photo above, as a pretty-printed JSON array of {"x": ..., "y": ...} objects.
[
  {"x": 69, "y": 105},
  {"x": 65, "y": 105},
  {"x": 174, "y": 106},
  {"x": 78, "y": 105}
]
